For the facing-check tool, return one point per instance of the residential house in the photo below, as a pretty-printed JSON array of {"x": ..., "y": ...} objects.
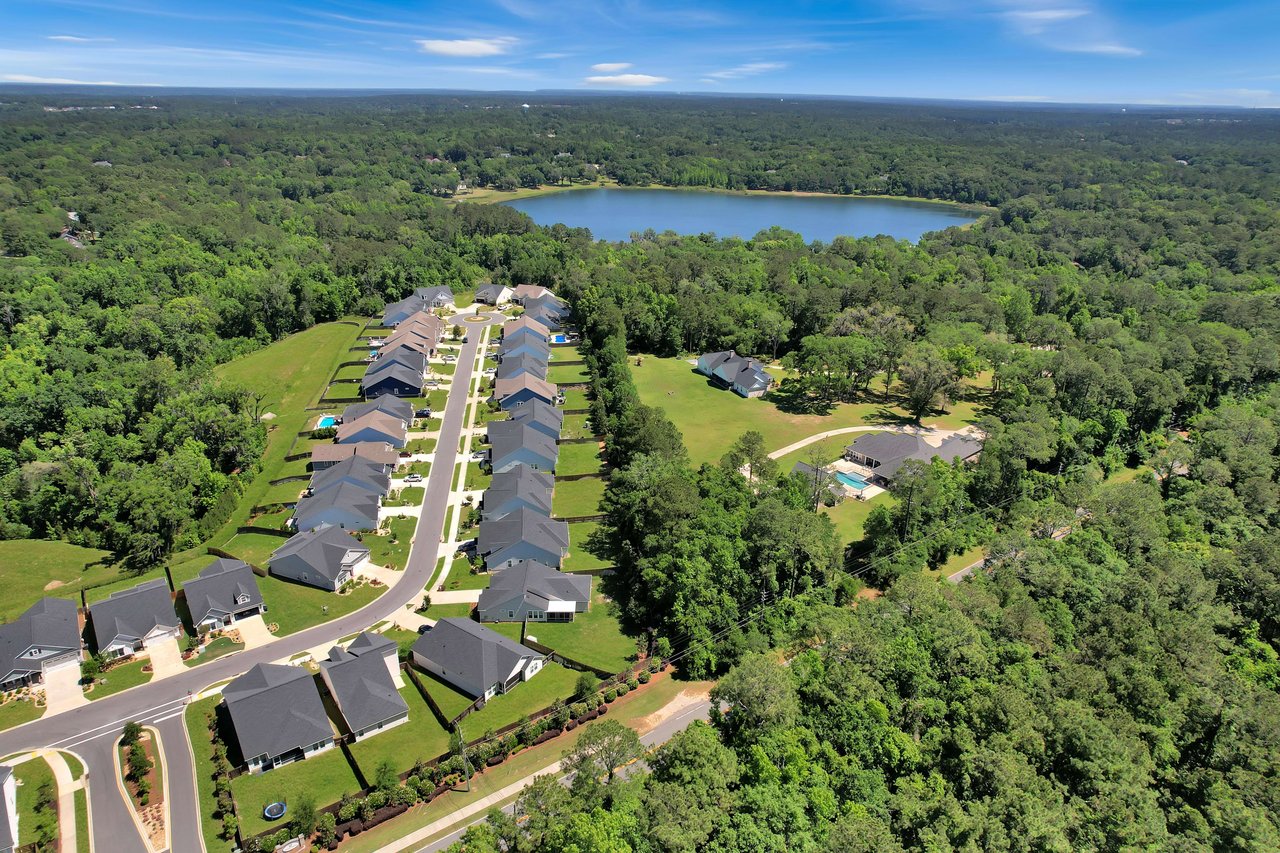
[
  {"x": 377, "y": 427},
  {"x": 44, "y": 638},
  {"x": 435, "y": 297},
  {"x": 393, "y": 406},
  {"x": 477, "y": 660},
  {"x": 363, "y": 690},
  {"x": 525, "y": 324},
  {"x": 546, "y": 316},
  {"x": 746, "y": 376},
  {"x": 224, "y": 591},
  {"x": 408, "y": 343},
  {"x": 277, "y": 715},
  {"x": 355, "y": 471},
  {"x": 396, "y": 380},
  {"x": 523, "y": 292},
  {"x": 525, "y": 388},
  {"x": 514, "y": 365},
  {"x": 326, "y": 558},
  {"x": 8, "y": 810},
  {"x": 531, "y": 591},
  {"x": 547, "y": 303},
  {"x": 422, "y": 323},
  {"x": 522, "y": 535},
  {"x": 538, "y": 415},
  {"x": 370, "y": 644},
  {"x": 879, "y": 455},
  {"x": 130, "y": 620},
  {"x": 347, "y": 505},
  {"x": 522, "y": 344},
  {"x": 493, "y": 294},
  {"x": 402, "y": 357},
  {"x": 397, "y": 312},
  {"x": 512, "y": 443},
  {"x": 517, "y": 488},
  {"x": 378, "y": 452}
]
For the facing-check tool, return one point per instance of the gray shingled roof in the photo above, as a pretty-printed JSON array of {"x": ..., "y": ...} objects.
[
  {"x": 133, "y": 613},
  {"x": 322, "y": 549},
  {"x": 354, "y": 470},
  {"x": 892, "y": 449},
  {"x": 394, "y": 406},
  {"x": 518, "y": 486},
  {"x": 368, "y": 641},
  {"x": 407, "y": 376},
  {"x": 509, "y": 437},
  {"x": 359, "y": 500},
  {"x": 430, "y": 294},
  {"x": 537, "y": 582},
  {"x": 542, "y": 414},
  {"x": 492, "y": 291},
  {"x": 49, "y": 623},
  {"x": 513, "y": 365},
  {"x": 362, "y": 688},
  {"x": 218, "y": 586},
  {"x": 523, "y": 525},
  {"x": 403, "y": 357},
  {"x": 276, "y": 709},
  {"x": 461, "y": 645}
]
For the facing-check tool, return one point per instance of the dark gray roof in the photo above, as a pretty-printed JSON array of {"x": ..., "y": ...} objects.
[
  {"x": 738, "y": 371},
  {"x": 368, "y": 641},
  {"x": 534, "y": 581},
  {"x": 50, "y": 623},
  {"x": 546, "y": 316},
  {"x": 523, "y": 363},
  {"x": 362, "y": 688},
  {"x": 430, "y": 294},
  {"x": 548, "y": 302},
  {"x": 523, "y": 525},
  {"x": 491, "y": 290},
  {"x": 508, "y": 437},
  {"x": 462, "y": 645},
  {"x": 524, "y": 337},
  {"x": 323, "y": 549},
  {"x": 219, "y": 587},
  {"x": 397, "y": 311},
  {"x": 892, "y": 449},
  {"x": 543, "y": 414},
  {"x": 394, "y": 406},
  {"x": 355, "y": 470},
  {"x": 520, "y": 484},
  {"x": 275, "y": 709},
  {"x": 349, "y": 497},
  {"x": 401, "y": 356},
  {"x": 133, "y": 613},
  {"x": 408, "y": 376}
]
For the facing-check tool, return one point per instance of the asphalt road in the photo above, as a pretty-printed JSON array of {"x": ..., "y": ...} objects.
[
  {"x": 659, "y": 735},
  {"x": 91, "y": 730}
]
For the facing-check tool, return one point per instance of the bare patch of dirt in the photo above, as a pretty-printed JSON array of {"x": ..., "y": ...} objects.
[{"x": 52, "y": 585}]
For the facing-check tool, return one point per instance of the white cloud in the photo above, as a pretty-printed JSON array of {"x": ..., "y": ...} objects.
[
  {"x": 66, "y": 81},
  {"x": 611, "y": 66},
  {"x": 467, "y": 47},
  {"x": 1036, "y": 21},
  {"x": 748, "y": 70},
  {"x": 1105, "y": 48},
  {"x": 628, "y": 80},
  {"x": 552, "y": 55},
  {"x": 76, "y": 39},
  {"x": 708, "y": 80}
]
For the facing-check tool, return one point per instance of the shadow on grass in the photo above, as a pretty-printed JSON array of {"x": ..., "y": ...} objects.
[{"x": 790, "y": 397}]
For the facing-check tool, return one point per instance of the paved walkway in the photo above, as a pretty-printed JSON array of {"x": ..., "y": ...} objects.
[
  {"x": 67, "y": 788},
  {"x": 62, "y": 690},
  {"x": 166, "y": 659},
  {"x": 253, "y": 632},
  {"x": 931, "y": 435},
  {"x": 456, "y": 596}
]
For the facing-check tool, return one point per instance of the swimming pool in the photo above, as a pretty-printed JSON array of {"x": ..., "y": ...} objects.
[
  {"x": 559, "y": 339},
  {"x": 326, "y": 422},
  {"x": 853, "y": 481}
]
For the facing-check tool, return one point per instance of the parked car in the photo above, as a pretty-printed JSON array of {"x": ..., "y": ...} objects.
[
  {"x": 479, "y": 455},
  {"x": 422, "y": 413},
  {"x": 413, "y": 478}
]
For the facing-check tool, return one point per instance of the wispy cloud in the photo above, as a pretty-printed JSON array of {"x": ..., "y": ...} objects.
[
  {"x": 1036, "y": 21},
  {"x": 749, "y": 69},
  {"x": 626, "y": 80},
  {"x": 611, "y": 66},
  {"x": 1104, "y": 48},
  {"x": 77, "y": 39},
  {"x": 66, "y": 81},
  {"x": 468, "y": 47},
  {"x": 553, "y": 55}
]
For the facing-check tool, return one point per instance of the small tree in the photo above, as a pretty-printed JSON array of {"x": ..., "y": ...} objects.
[
  {"x": 326, "y": 829},
  {"x": 585, "y": 686},
  {"x": 384, "y": 776},
  {"x": 131, "y": 733},
  {"x": 91, "y": 668},
  {"x": 456, "y": 333},
  {"x": 304, "y": 816}
]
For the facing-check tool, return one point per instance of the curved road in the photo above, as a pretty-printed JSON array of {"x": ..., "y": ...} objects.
[{"x": 91, "y": 730}]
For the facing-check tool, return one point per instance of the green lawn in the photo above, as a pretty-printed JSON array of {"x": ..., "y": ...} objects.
[
  {"x": 444, "y": 611},
  {"x": 392, "y": 549},
  {"x": 421, "y": 445},
  {"x": 827, "y": 450},
  {"x": 34, "y": 568},
  {"x": 30, "y": 776},
  {"x": 253, "y": 548},
  {"x": 711, "y": 419},
  {"x": 273, "y": 520},
  {"x": 215, "y": 649},
  {"x": 576, "y": 398},
  {"x": 578, "y": 459},
  {"x": 119, "y": 678},
  {"x": 404, "y": 639},
  {"x": 296, "y": 468},
  {"x": 461, "y": 576},
  {"x": 284, "y": 493},
  {"x": 408, "y": 496},
  {"x": 850, "y": 515},
  {"x": 579, "y": 560},
  {"x": 552, "y": 683},
  {"x": 351, "y": 371},
  {"x": 593, "y": 638},
  {"x": 444, "y": 368},
  {"x": 575, "y": 498},
  {"x": 561, "y": 353},
  {"x": 82, "y": 821},
  {"x": 294, "y": 606},
  {"x": 576, "y": 426},
  {"x": 324, "y": 777},
  {"x": 202, "y": 748},
  {"x": 420, "y": 737},
  {"x": 74, "y": 767},
  {"x": 15, "y": 712},
  {"x": 567, "y": 374},
  {"x": 477, "y": 479}
]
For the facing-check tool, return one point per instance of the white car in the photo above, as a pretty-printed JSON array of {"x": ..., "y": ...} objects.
[{"x": 413, "y": 478}]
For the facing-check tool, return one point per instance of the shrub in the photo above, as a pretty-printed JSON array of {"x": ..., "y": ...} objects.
[
  {"x": 643, "y": 677},
  {"x": 571, "y": 725},
  {"x": 577, "y": 709},
  {"x": 632, "y": 684},
  {"x": 624, "y": 689},
  {"x": 229, "y": 826},
  {"x": 131, "y": 733},
  {"x": 349, "y": 808},
  {"x": 610, "y": 695},
  {"x": 326, "y": 829}
]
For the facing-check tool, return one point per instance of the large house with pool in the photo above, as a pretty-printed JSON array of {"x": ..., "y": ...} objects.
[{"x": 876, "y": 457}]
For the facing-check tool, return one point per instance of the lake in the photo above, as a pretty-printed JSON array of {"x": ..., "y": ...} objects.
[{"x": 614, "y": 214}]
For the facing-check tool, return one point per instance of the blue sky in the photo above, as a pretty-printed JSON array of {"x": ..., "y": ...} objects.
[{"x": 1142, "y": 51}]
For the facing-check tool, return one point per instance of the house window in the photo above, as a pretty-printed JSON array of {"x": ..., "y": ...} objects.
[
  {"x": 242, "y": 599},
  {"x": 511, "y": 614}
]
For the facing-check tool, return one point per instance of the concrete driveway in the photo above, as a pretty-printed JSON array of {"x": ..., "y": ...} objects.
[
  {"x": 253, "y": 631},
  {"x": 166, "y": 658},
  {"x": 62, "y": 689}
]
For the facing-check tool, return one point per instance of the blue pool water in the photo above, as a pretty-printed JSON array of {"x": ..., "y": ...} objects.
[
  {"x": 373, "y": 353},
  {"x": 851, "y": 480},
  {"x": 326, "y": 421},
  {"x": 558, "y": 339}
]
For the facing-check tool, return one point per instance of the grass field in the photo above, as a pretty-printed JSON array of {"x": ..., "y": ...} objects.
[
  {"x": 219, "y": 647},
  {"x": 827, "y": 450},
  {"x": 593, "y": 638},
  {"x": 579, "y": 560},
  {"x": 408, "y": 496},
  {"x": 552, "y": 683},
  {"x": 15, "y": 712},
  {"x": 575, "y": 498},
  {"x": 578, "y": 459},
  {"x": 383, "y": 551},
  {"x": 850, "y": 515},
  {"x": 576, "y": 398},
  {"x": 325, "y": 777},
  {"x": 202, "y": 749},
  {"x": 477, "y": 479},
  {"x": 444, "y": 611},
  {"x": 294, "y": 606},
  {"x": 461, "y": 576},
  {"x": 34, "y": 568},
  {"x": 420, "y": 737},
  {"x": 82, "y": 821},
  {"x": 350, "y": 371},
  {"x": 711, "y": 419},
  {"x": 567, "y": 374},
  {"x": 31, "y": 775},
  {"x": 421, "y": 445},
  {"x": 118, "y": 678},
  {"x": 563, "y": 354},
  {"x": 253, "y": 548},
  {"x": 283, "y": 493},
  {"x": 576, "y": 426}
]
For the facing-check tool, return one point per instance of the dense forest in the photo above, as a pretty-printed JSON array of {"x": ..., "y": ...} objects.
[{"x": 1114, "y": 688}]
